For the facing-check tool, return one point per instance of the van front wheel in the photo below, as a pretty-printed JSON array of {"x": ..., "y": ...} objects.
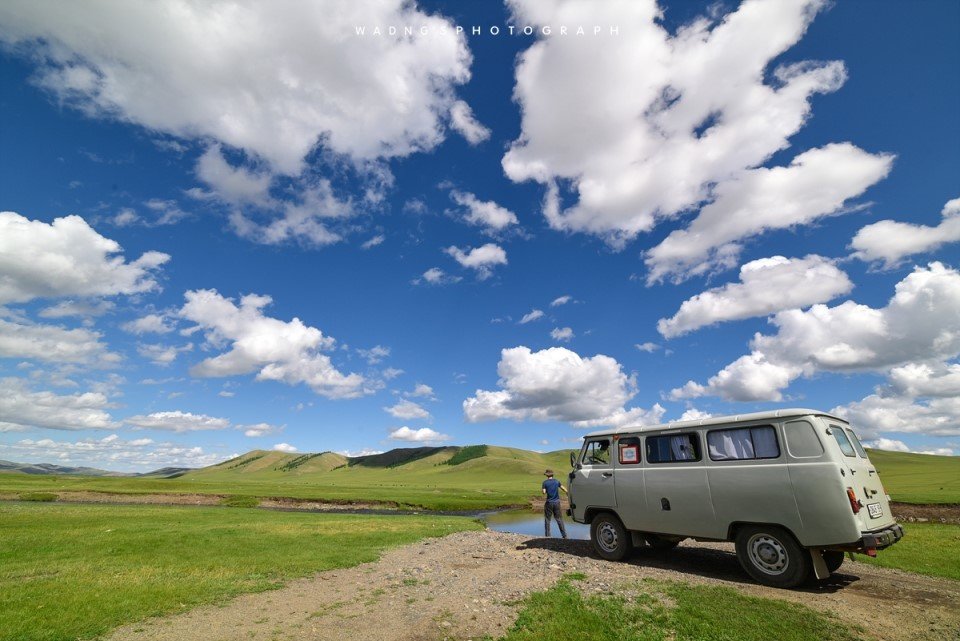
[
  {"x": 771, "y": 556},
  {"x": 610, "y": 539}
]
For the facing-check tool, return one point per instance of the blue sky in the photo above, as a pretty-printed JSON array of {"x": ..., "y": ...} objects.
[{"x": 701, "y": 209}]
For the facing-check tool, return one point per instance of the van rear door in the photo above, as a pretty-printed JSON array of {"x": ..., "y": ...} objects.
[{"x": 874, "y": 509}]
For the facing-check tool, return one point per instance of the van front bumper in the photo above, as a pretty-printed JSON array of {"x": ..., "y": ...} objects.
[{"x": 882, "y": 539}]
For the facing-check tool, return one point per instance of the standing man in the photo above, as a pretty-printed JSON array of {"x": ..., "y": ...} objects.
[{"x": 551, "y": 489}]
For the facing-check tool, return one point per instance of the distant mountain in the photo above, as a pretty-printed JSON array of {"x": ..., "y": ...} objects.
[{"x": 49, "y": 468}]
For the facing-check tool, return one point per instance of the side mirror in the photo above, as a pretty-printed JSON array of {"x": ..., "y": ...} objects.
[{"x": 573, "y": 459}]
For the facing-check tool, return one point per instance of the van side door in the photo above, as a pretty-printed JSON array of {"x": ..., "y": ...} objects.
[
  {"x": 593, "y": 483},
  {"x": 676, "y": 486}
]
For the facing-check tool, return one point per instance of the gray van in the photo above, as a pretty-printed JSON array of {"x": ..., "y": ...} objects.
[{"x": 793, "y": 488}]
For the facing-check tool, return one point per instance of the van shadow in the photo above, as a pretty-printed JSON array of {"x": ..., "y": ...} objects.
[{"x": 687, "y": 559}]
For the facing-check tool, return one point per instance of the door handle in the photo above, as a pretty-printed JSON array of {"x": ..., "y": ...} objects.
[{"x": 607, "y": 475}]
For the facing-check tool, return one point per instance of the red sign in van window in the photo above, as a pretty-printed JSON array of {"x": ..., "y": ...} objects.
[{"x": 629, "y": 454}]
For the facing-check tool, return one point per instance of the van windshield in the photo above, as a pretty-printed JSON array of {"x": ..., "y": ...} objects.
[{"x": 856, "y": 444}]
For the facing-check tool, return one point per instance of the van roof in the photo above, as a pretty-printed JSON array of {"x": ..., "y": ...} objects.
[{"x": 719, "y": 420}]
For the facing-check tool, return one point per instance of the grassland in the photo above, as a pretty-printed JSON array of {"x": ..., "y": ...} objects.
[
  {"x": 76, "y": 571},
  {"x": 926, "y": 548},
  {"x": 918, "y": 478},
  {"x": 447, "y": 478},
  {"x": 657, "y": 611}
]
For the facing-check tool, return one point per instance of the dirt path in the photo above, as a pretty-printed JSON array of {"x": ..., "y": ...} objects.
[{"x": 467, "y": 585}]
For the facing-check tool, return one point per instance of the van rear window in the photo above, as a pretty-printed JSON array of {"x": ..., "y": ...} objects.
[
  {"x": 745, "y": 443},
  {"x": 845, "y": 446},
  {"x": 856, "y": 444},
  {"x": 673, "y": 448}
]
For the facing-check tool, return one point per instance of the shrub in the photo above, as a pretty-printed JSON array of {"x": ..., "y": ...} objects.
[{"x": 38, "y": 496}]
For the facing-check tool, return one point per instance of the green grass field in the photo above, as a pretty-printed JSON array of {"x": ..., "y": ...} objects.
[
  {"x": 498, "y": 477},
  {"x": 918, "y": 478},
  {"x": 926, "y": 548},
  {"x": 76, "y": 571},
  {"x": 658, "y": 611}
]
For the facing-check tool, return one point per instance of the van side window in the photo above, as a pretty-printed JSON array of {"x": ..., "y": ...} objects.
[
  {"x": 802, "y": 440},
  {"x": 743, "y": 443},
  {"x": 673, "y": 448},
  {"x": 628, "y": 450},
  {"x": 843, "y": 441},
  {"x": 856, "y": 444},
  {"x": 597, "y": 452}
]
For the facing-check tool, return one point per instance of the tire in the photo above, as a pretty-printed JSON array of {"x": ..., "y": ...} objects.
[
  {"x": 833, "y": 559},
  {"x": 610, "y": 539},
  {"x": 661, "y": 544},
  {"x": 771, "y": 556}
]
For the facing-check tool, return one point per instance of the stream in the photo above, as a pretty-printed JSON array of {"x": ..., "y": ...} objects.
[{"x": 530, "y": 522}]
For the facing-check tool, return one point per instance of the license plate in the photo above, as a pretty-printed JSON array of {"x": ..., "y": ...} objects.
[{"x": 875, "y": 510}]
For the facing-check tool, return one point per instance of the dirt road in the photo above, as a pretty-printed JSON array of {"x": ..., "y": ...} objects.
[{"x": 466, "y": 585}]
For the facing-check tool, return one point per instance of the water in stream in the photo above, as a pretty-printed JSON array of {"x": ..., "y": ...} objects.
[{"x": 530, "y": 522}]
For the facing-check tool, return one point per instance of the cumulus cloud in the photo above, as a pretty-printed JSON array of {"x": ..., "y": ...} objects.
[
  {"x": 648, "y": 127},
  {"x": 436, "y": 276},
  {"x": 921, "y": 323},
  {"x": 22, "y": 408},
  {"x": 236, "y": 185},
  {"x": 257, "y": 430},
  {"x": 766, "y": 286},
  {"x": 53, "y": 344},
  {"x": 561, "y": 300},
  {"x": 876, "y": 414},
  {"x": 926, "y": 379},
  {"x": 258, "y": 78},
  {"x": 407, "y": 410},
  {"x": 149, "y": 324},
  {"x": 284, "y": 447},
  {"x": 486, "y": 214},
  {"x": 288, "y": 352},
  {"x": 694, "y": 414},
  {"x": 421, "y": 390},
  {"x": 463, "y": 121},
  {"x": 531, "y": 316},
  {"x": 85, "y": 309},
  {"x": 556, "y": 384},
  {"x": 647, "y": 347},
  {"x": 480, "y": 259},
  {"x": 561, "y": 334},
  {"x": 422, "y": 435},
  {"x": 177, "y": 421},
  {"x": 889, "y": 241},
  {"x": 160, "y": 354},
  {"x": 375, "y": 354},
  {"x": 66, "y": 258}
]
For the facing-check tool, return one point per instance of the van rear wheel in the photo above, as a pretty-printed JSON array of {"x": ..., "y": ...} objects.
[
  {"x": 610, "y": 539},
  {"x": 660, "y": 543},
  {"x": 771, "y": 556}
]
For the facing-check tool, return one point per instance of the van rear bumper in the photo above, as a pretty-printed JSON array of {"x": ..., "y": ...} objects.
[{"x": 882, "y": 539}]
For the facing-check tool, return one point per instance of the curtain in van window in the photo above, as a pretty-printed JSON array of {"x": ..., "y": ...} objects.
[
  {"x": 765, "y": 442},
  {"x": 730, "y": 444},
  {"x": 681, "y": 448}
]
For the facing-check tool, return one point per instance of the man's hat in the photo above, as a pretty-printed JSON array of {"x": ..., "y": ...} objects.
[{"x": 548, "y": 473}]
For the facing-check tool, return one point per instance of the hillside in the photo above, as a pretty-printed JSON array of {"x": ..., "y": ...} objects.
[{"x": 918, "y": 478}]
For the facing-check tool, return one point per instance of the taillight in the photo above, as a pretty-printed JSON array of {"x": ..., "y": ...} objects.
[{"x": 855, "y": 504}]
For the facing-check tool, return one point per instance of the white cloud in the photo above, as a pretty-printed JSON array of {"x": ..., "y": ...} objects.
[
  {"x": 235, "y": 185},
  {"x": 284, "y": 447},
  {"x": 162, "y": 354},
  {"x": 422, "y": 435},
  {"x": 149, "y": 324},
  {"x": 288, "y": 352},
  {"x": 66, "y": 258},
  {"x": 890, "y": 241},
  {"x": 82, "y": 309},
  {"x": 21, "y": 408},
  {"x": 876, "y": 414},
  {"x": 817, "y": 183},
  {"x": 660, "y": 124},
  {"x": 531, "y": 316},
  {"x": 893, "y": 445},
  {"x": 436, "y": 276},
  {"x": 421, "y": 390},
  {"x": 260, "y": 429},
  {"x": 306, "y": 220},
  {"x": 111, "y": 452},
  {"x": 926, "y": 379},
  {"x": 487, "y": 214},
  {"x": 373, "y": 242},
  {"x": 561, "y": 300},
  {"x": 273, "y": 80},
  {"x": 177, "y": 421},
  {"x": 463, "y": 121},
  {"x": 647, "y": 347},
  {"x": 226, "y": 394},
  {"x": 407, "y": 410},
  {"x": 766, "y": 286},
  {"x": 481, "y": 259},
  {"x": 556, "y": 384},
  {"x": 921, "y": 323},
  {"x": 53, "y": 344},
  {"x": 694, "y": 414},
  {"x": 375, "y": 354},
  {"x": 561, "y": 334}
]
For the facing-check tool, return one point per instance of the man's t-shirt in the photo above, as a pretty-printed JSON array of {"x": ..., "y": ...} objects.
[{"x": 552, "y": 486}]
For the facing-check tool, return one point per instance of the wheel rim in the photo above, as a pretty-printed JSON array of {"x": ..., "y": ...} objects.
[
  {"x": 767, "y": 554},
  {"x": 607, "y": 537}
]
